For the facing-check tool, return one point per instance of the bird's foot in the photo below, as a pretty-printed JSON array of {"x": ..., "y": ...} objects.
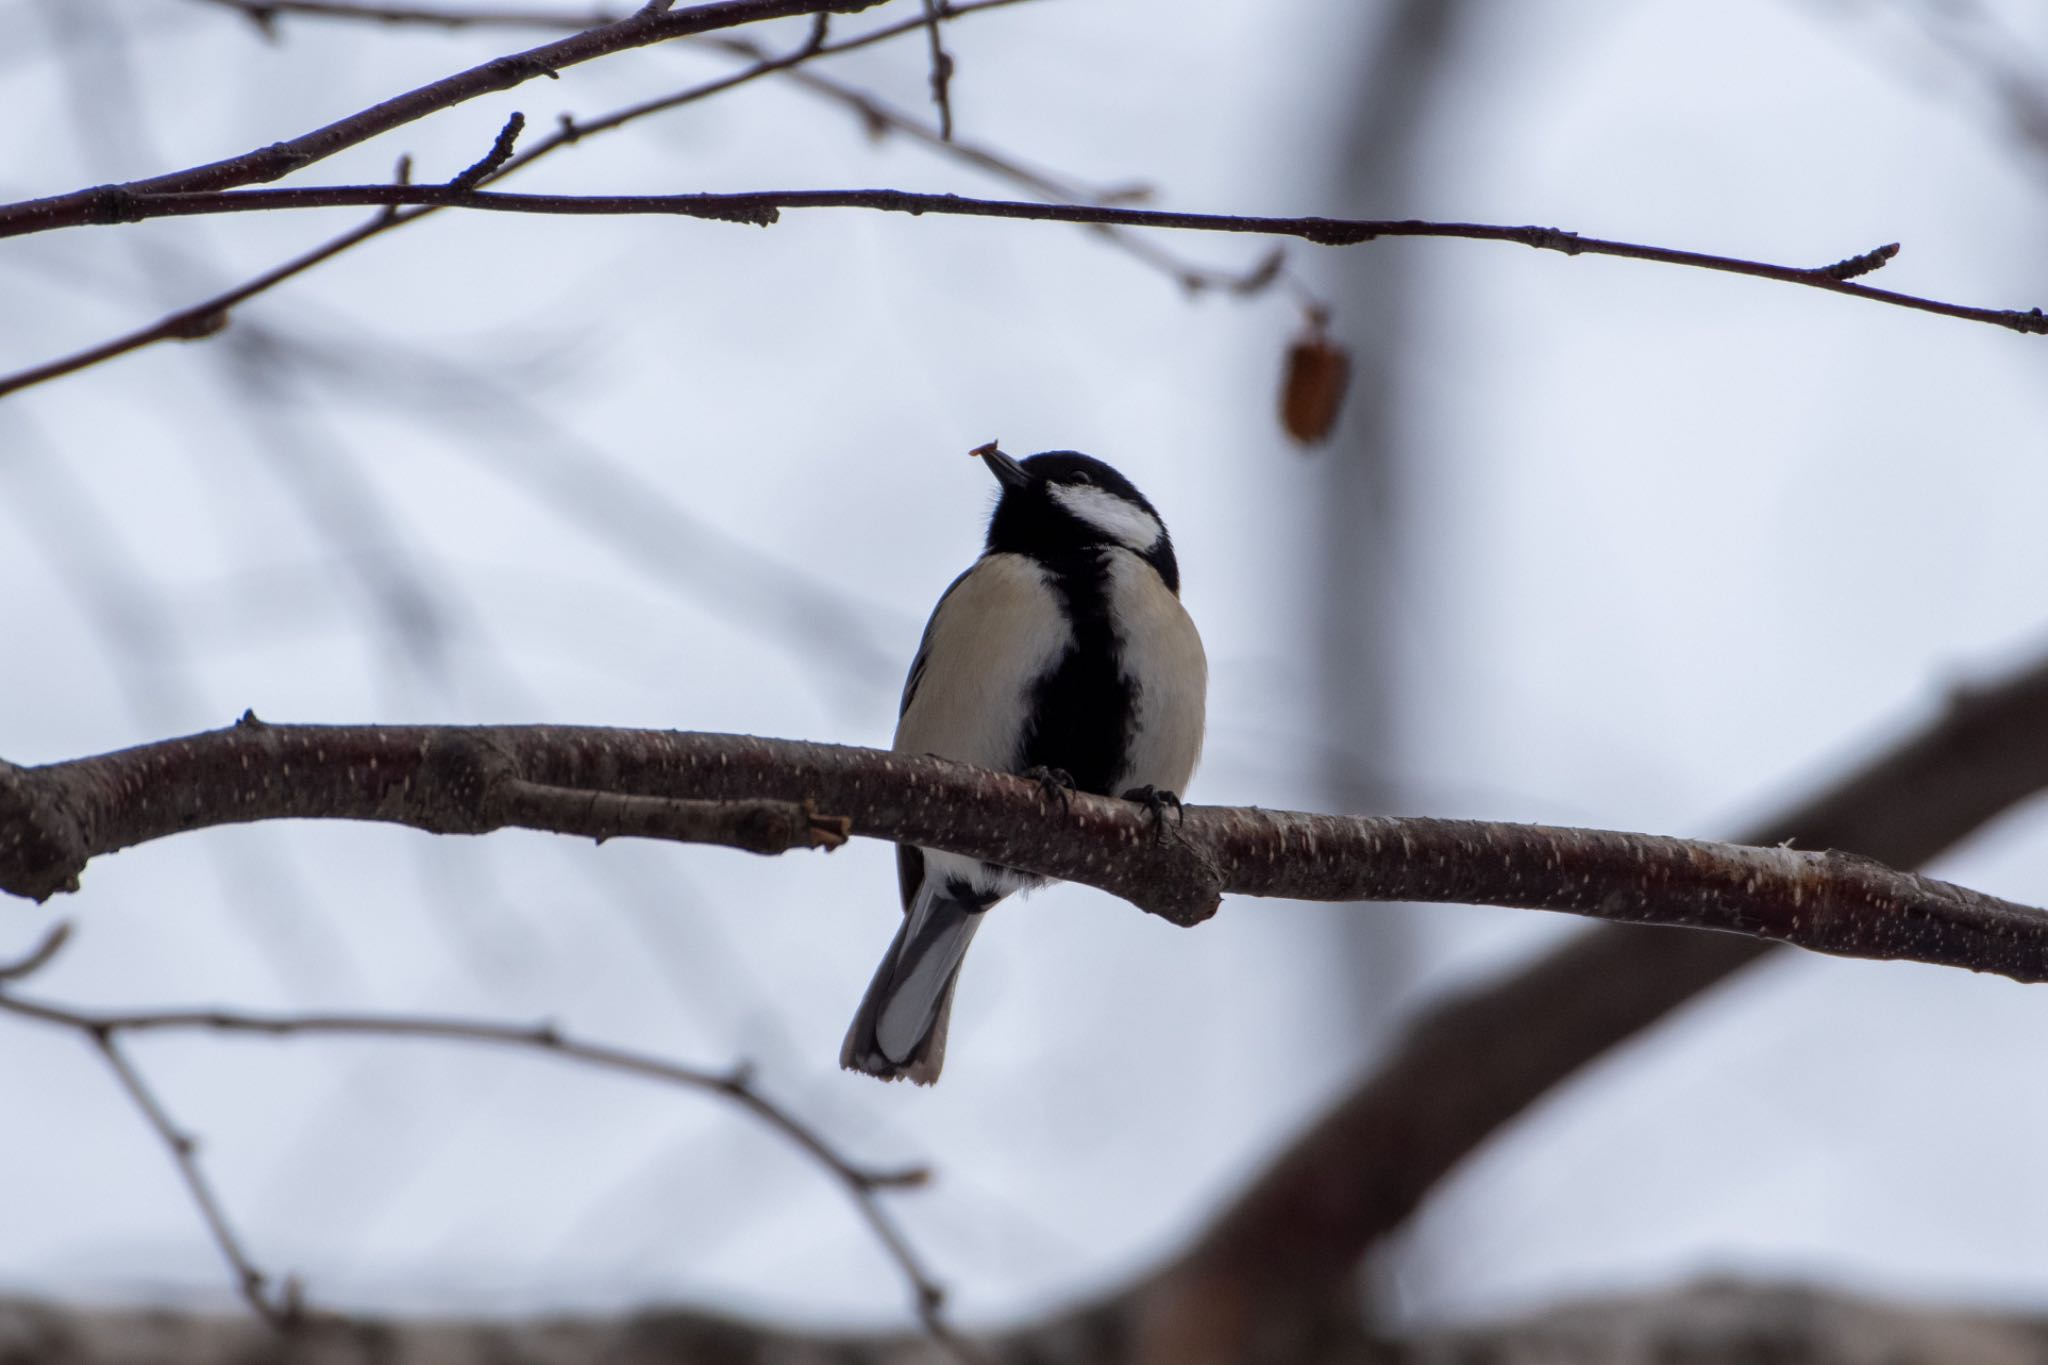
[
  {"x": 1156, "y": 802},
  {"x": 1054, "y": 784}
]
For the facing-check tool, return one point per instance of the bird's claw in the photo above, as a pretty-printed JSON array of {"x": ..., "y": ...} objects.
[
  {"x": 1156, "y": 801},
  {"x": 1055, "y": 784}
]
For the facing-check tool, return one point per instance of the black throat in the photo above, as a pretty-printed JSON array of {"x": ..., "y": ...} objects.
[{"x": 1084, "y": 707}]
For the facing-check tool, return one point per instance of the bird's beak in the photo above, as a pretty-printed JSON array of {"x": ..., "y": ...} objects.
[{"x": 1007, "y": 471}]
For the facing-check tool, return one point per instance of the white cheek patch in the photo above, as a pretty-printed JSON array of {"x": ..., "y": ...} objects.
[{"x": 1118, "y": 518}]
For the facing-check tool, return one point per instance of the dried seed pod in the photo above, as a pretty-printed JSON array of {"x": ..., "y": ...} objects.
[{"x": 1312, "y": 391}]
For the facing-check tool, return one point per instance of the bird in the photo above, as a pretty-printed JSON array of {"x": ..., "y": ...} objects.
[{"x": 1062, "y": 653}]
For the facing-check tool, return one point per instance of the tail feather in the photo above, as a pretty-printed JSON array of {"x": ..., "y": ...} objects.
[{"x": 900, "y": 1029}]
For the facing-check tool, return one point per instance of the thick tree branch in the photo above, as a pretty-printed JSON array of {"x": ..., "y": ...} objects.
[
  {"x": 603, "y": 783},
  {"x": 1733, "y": 1322},
  {"x": 1473, "y": 1063},
  {"x": 1711, "y": 1323},
  {"x": 134, "y": 203}
]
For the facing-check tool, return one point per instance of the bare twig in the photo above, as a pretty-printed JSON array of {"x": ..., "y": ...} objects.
[
  {"x": 1874, "y": 259},
  {"x": 880, "y": 116},
  {"x": 210, "y": 316},
  {"x": 107, "y": 203},
  {"x": 184, "y": 1149},
  {"x": 872, "y": 111},
  {"x": 494, "y": 160},
  {"x": 467, "y": 780},
  {"x": 762, "y": 208},
  {"x": 202, "y": 319},
  {"x": 38, "y": 957},
  {"x": 863, "y": 1184}
]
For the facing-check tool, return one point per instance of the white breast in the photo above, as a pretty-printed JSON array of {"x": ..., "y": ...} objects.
[
  {"x": 1164, "y": 660},
  {"x": 998, "y": 631}
]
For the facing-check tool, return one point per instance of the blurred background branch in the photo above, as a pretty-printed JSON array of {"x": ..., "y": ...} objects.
[
  {"x": 284, "y": 1308},
  {"x": 1717, "y": 1322}
]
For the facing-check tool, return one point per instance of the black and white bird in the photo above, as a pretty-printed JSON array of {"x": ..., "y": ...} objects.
[{"x": 1063, "y": 652}]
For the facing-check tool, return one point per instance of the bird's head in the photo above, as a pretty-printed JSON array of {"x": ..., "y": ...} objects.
[{"x": 1063, "y": 504}]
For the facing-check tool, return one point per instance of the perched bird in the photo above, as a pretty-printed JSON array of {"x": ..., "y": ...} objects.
[{"x": 1063, "y": 653}]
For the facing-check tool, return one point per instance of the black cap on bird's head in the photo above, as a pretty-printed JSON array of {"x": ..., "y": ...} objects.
[{"x": 1065, "y": 506}]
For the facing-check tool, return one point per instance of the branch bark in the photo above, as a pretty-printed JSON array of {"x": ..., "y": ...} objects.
[
  {"x": 1712, "y": 1323},
  {"x": 603, "y": 783},
  {"x": 650, "y": 25},
  {"x": 209, "y": 317}
]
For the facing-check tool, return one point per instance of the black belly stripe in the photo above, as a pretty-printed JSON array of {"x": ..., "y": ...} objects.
[{"x": 1085, "y": 705}]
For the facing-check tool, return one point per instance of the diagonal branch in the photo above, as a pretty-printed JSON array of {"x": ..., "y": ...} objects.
[
  {"x": 763, "y": 208},
  {"x": 251, "y": 1283},
  {"x": 877, "y": 115},
  {"x": 602, "y": 782},
  {"x": 864, "y": 1185},
  {"x": 208, "y": 317},
  {"x": 200, "y": 320},
  {"x": 652, "y": 24},
  {"x": 1474, "y": 1062}
]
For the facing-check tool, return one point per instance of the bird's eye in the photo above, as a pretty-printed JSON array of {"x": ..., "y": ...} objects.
[{"x": 1084, "y": 478}]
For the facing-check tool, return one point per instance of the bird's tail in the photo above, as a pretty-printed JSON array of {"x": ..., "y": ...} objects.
[{"x": 900, "y": 1028}]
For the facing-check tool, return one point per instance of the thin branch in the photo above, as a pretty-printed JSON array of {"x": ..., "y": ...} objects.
[
  {"x": 106, "y": 203},
  {"x": 762, "y": 208},
  {"x": 1874, "y": 259},
  {"x": 39, "y": 956},
  {"x": 207, "y": 318},
  {"x": 184, "y": 1150},
  {"x": 880, "y": 116},
  {"x": 872, "y": 111},
  {"x": 494, "y": 160},
  {"x": 468, "y": 780},
  {"x": 202, "y": 319},
  {"x": 863, "y": 1184}
]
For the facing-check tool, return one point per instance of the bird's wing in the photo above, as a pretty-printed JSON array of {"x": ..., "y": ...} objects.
[
  {"x": 999, "y": 629},
  {"x": 924, "y": 645},
  {"x": 909, "y": 857}
]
